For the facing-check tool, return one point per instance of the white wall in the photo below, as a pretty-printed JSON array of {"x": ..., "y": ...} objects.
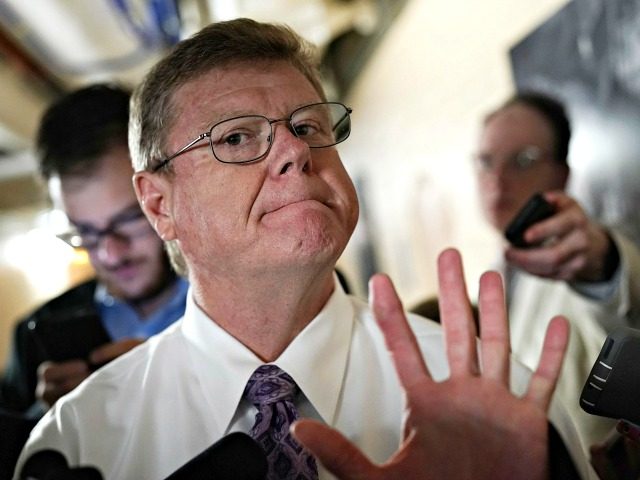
[{"x": 417, "y": 106}]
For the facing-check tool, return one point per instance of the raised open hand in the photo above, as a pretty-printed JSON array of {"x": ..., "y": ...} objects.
[{"x": 471, "y": 425}]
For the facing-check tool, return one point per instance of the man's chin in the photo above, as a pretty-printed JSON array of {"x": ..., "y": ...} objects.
[
  {"x": 135, "y": 292},
  {"x": 129, "y": 295}
]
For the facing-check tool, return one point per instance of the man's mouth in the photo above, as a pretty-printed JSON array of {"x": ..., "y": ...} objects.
[
  {"x": 125, "y": 271},
  {"x": 294, "y": 203}
]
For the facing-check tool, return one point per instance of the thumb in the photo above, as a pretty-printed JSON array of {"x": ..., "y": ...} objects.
[{"x": 338, "y": 455}]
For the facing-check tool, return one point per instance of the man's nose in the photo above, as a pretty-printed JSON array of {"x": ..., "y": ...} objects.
[
  {"x": 289, "y": 152},
  {"x": 501, "y": 173},
  {"x": 111, "y": 249}
]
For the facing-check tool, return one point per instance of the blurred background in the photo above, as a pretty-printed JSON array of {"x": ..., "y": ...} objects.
[{"x": 418, "y": 74}]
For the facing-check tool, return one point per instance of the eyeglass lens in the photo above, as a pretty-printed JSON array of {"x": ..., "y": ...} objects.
[
  {"x": 124, "y": 228},
  {"x": 247, "y": 138},
  {"x": 519, "y": 162}
]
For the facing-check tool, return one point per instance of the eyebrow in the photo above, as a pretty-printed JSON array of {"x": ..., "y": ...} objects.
[
  {"x": 227, "y": 116},
  {"x": 242, "y": 113}
]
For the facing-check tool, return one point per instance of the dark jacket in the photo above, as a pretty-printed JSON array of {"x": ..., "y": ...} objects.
[{"x": 66, "y": 327}]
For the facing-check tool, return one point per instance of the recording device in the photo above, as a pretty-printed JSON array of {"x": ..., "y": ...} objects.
[
  {"x": 613, "y": 386},
  {"x": 234, "y": 457},
  {"x": 51, "y": 465},
  {"x": 535, "y": 210},
  {"x": 70, "y": 337}
]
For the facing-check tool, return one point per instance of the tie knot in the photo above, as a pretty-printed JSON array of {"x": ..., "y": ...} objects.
[{"x": 269, "y": 384}]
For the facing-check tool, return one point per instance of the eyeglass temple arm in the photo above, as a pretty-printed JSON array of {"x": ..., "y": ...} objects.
[
  {"x": 199, "y": 138},
  {"x": 342, "y": 119}
]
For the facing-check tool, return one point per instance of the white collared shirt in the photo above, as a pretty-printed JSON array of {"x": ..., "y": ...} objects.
[
  {"x": 152, "y": 410},
  {"x": 593, "y": 310}
]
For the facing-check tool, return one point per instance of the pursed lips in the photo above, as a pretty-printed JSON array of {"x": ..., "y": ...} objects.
[
  {"x": 294, "y": 203},
  {"x": 289, "y": 199},
  {"x": 126, "y": 270}
]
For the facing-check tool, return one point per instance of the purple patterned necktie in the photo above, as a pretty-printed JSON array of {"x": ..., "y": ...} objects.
[{"x": 272, "y": 391}]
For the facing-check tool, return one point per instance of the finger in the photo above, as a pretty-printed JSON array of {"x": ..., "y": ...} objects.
[
  {"x": 559, "y": 225},
  {"x": 56, "y": 372},
  {"x": 70, "y": 383},
  {"x": 548, "y": 261},
  {"x": 545, "y": 377},
  {"x": 549, "y": 255},
  {"x": 399, "y": 338},
  {"x": 333, "y": 450},
  {"x": 456, "y": 315},
  {"x": 50, "y": 392},
  {"x": 575, "y": 243},
  {"x": 568, "y": 228},
  {"x": 629, "y": 430},
  {"x": 558, "y": 198},
  {"x": 109, "y": 351},
  {"x": 570, "y": 269},
  {"x": 494, "y": 328}
]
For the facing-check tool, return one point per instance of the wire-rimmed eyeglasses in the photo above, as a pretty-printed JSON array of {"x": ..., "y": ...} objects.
[
  {"x": 248, "y": 138},
  {"x": 521, "y": 162},
  {"x": 125, "y": 226}
]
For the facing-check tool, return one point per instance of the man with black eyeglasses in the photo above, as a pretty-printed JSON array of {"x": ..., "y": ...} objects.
[
  {"x": 234, "y": 147},
  {"x": 83, "y": 154}
]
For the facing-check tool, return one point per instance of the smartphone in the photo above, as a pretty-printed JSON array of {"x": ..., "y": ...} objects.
[
  {"x": 535, "y": 210},
  {"x": 73, "y": 336},
  {"x": 613, "y": 386}
]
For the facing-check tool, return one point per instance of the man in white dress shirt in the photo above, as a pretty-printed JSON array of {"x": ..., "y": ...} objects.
[
  {"x": 574, "y": 266},
  {"x": 234, "y": 148}
]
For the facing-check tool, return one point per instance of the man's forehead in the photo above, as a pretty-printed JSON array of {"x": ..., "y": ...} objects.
[
  {"x": 238, "y": 79},
  {"x": 515, "y": 127},
  {"x": 239, "y": 89},
  {"x": 521, "y": 117}
]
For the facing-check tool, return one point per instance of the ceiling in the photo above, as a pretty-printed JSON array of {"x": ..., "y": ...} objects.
[{"x": 48, "y": 47}]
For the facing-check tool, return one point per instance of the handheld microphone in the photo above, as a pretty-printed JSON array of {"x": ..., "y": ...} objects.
[
  {"x": 51, "y": 465},
  {"x": 234, "y": 457}
]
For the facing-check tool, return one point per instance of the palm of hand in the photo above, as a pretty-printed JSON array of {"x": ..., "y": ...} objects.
[{"x": 474, "y": 424}]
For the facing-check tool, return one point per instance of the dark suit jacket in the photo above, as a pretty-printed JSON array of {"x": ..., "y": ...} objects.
[
  {"x": 29, "y": 350},
  {"x": 14, "y": 431}
]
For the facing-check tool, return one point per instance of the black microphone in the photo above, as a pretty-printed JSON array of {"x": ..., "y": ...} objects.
[
  {"x": 236, "y": 456},
  {"x": 51, "y": 465}
]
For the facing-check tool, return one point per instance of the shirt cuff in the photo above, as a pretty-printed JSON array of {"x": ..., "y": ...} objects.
[{"x": 600, "y": 291}]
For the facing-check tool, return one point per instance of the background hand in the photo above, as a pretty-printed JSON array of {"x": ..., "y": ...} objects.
[
  {"x": 469, "y": 426},
  {"x": 56, "y": 379},
  {"x": 574, "y": 248},
  {"x": 109, "y": 351},
  {"x": 617, "y": 456}
]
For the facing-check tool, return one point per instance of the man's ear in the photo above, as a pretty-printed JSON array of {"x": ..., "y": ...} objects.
[{"x": 154, "y": 194}]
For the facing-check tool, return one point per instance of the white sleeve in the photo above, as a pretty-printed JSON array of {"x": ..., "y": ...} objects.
[
  {"x": 619, "y": 297},
  {"x": 49, "y": 434}
]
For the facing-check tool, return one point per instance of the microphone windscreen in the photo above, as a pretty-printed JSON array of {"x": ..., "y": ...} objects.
[
  {"x": 234, "y": 457},
  {"x": 51, "y": 465},
  {"x": 42, "y": 463}
]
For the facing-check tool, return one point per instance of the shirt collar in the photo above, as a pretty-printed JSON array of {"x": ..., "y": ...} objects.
[
  {"x": 121, "y": 320},
  {"x": 102, "y": 296},
  {"x": 316, "y": 359}
]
